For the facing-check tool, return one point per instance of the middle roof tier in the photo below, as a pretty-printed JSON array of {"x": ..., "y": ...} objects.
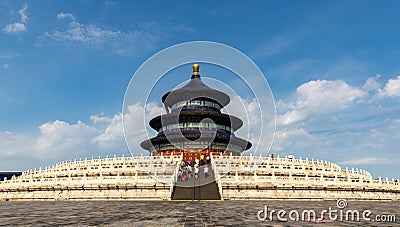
[{"x": 195, "y": 117}]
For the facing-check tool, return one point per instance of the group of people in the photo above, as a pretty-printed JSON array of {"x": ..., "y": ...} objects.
[{"x": 188, "y": 168}]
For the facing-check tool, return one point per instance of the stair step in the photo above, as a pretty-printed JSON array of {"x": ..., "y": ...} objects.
[
  {"x": 191, "y": 190},
  {"x": 204, "y": 192}
]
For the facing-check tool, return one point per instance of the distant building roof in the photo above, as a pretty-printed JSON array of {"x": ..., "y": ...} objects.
[{"x": 9, "y": 175}]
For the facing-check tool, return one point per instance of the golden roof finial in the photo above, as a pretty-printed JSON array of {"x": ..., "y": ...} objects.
[{"x": 196, "y": 69}]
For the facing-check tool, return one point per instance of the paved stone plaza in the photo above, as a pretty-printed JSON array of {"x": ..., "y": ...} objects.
[{"x": 121, "y": 213}]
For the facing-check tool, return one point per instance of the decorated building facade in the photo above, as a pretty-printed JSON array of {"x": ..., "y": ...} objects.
[{"x": 194, "y": 124}]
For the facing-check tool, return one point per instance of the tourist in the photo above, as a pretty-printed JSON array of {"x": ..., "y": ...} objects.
[
  {"x": 196, "y": 161},
  {"x": 189, "y": 169},
  {"x": 184, "y": 175},
  {"x": 208, "y": 159},
  {"x": 196, "y": 171},
  {"x": 206, "y": 171},
  {"x": 202, "y": 159},
  {"x": 180, "y": 175}
]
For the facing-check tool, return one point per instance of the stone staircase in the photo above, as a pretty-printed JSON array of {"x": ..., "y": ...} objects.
[{"x": 201, "y": 189}]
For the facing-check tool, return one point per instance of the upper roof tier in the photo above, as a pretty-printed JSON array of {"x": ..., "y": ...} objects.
[{"x": 195, "y": 89}]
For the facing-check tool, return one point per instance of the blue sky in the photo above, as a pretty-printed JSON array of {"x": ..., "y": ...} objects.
[{"x": 332, "y": 66}]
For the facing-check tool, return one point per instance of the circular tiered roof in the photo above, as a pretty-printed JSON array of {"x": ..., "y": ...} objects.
[
  {"x": 195, "y": 89},
  {"x": 192, "y": 118}
]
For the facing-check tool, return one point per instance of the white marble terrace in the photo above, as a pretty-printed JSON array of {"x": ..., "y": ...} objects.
[{"x": 231, "y": 171}]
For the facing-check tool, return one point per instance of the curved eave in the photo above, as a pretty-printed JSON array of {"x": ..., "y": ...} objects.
[
  {"x": 195, "y": 88},
  {"x": 175, "y": 96},
  {"x": 219, "y": 118},
  {"x": 147, "y": 144},
  {"x": 197, "y": 109}
]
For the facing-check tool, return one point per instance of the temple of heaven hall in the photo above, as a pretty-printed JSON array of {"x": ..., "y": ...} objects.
[{"x": 194, "y": 125}]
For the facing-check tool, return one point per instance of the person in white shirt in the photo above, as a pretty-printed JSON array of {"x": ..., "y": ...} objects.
[
  {"x": 196, "y": 171},
  {"x": 206, "y": 171},
  {"x": 189, "y": 169}
]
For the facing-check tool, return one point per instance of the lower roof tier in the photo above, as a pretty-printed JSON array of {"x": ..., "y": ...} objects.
[
  {"x": 220, "y": 136},
  {"x": 197, "y": 147}
]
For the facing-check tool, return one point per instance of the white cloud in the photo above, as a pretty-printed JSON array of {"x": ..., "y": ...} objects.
[
  {"x": 181, "y": 28},
  {"x": 65, "y": 15},
  {"x": 290, "y": 133},
  {"x": 55, "y": 141},
  {"x": 8, "y": 55},
  {"x": 319, "y": 97},
  {"x": 58, "y": 136},
  {"x": 11, "y": 145},
  {"x": 135, "y": 129},
  {"x": 77, "y": 32},
  {"x": 331, "y": 120},
  {"x": 257, "y": 129},
  {"x": 375, "y": 133},
  {"x": 123, "y": 43},
  {"x": 391, "y": 89},
  {"x": 23, "y": 14},
  {"x": 100, "y": 118},
  {"x": 368, "y": 161},
  {"x": 248, "y": 111},
  {"x": 59, "y": 140},
  {"x": 153, "y": 110},
  {"x": 112, "y": 136},
  {"x": 372, "y": 84},
  {"x": 130, "y": 43},
  {"x": 5, "y": 66},
  {"x": 14, "y": 28},
  {"x": 289, "y": 137},
  {"x": 18, "y": 27}
]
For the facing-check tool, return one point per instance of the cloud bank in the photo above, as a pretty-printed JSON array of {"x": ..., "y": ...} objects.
[
  {"x": 124, "y": 43},
  {"x": 321, "y": 119}
]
